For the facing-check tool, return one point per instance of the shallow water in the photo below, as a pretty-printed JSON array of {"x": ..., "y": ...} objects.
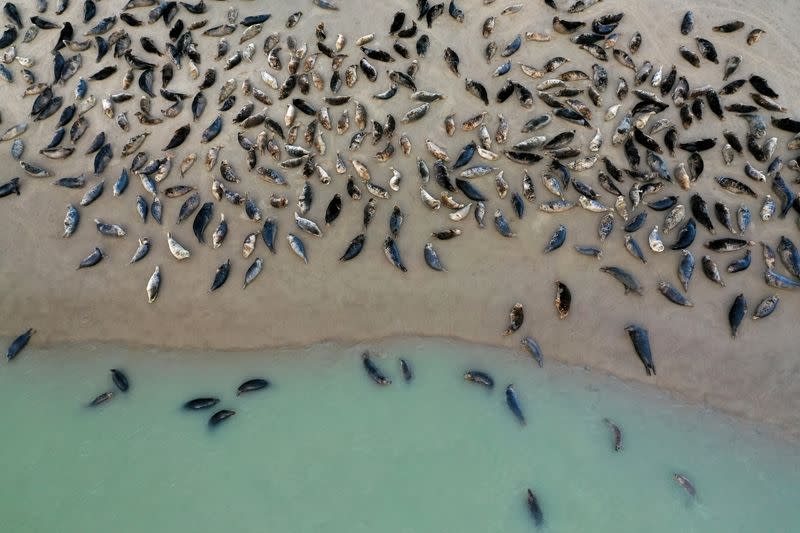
[{"x": 324, "y": 448}]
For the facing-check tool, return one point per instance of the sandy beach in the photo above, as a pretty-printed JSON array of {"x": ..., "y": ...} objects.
[{"x": 293, "y": 304}]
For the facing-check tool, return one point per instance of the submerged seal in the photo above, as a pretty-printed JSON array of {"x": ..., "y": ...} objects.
[
  {"x": 120, "y": 380},
  {"x": 373, "y": 371}
]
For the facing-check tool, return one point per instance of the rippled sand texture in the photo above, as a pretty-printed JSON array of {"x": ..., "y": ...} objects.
[{"x": 296, "y": 304}]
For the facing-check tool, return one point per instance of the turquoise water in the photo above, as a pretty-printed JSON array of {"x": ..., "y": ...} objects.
[{"x": 325, "y": 449}]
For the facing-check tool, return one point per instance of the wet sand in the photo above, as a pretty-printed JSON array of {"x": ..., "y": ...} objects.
[{"x": 293, "y": 304}]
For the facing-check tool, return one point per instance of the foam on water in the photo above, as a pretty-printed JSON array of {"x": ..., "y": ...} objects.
[{"x": 324, "y": 448}]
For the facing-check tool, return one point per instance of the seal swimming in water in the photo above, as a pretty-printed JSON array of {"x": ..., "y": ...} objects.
[
  {"x": 220, "y": 416},
  {"x": 479, "y": 377},
  {"x": 513, "y": 403},
  {"x": 616, "y": 433},
  {"x": 408, "y": 375},
  {"x": 120, "y": 380},
  {"x": 535, "y": 509},
  {"x": 684, "y": 482},
  {"x": 252, "y": 385},
  {"x": 196, "y": 404},
  {"x": 103, "y": 398},
  {"x": 373, "y": 371}
]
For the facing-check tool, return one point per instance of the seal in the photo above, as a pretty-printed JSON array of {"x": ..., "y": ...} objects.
[
  {"x": 252, "y": 385},
  {"x": 535, "y": 509},
  {"x": 408, "y": 375},
  {"x": 153, "y": 285},
  {"x": 19, "y": 343},
  {"x": 221, "y": 275},
  {"x": 220, "y": 416},
  {"x": 684, "y": 482},
  {"x": 513, "y": 403},
  {"x": 616, "y": 434},
  {"x": 201, "y": 221},
  {"x": 737, "y": 313},
  {"x": 516, "y": 318},
  {"x": 534, "y": 349},
  {"x": 120, "y": 379},
  {"x": 103, "y": 398},
  {"x": 197, "y": 404},
  {"x": 10, "y": 187},
  {"x": 641, "y": 343},
  {"x": 354, "y": 248},
  {"x": 373, "y": 371},
  {"x": 563, "y": 300},
  {"x": 480, "y": 378}
]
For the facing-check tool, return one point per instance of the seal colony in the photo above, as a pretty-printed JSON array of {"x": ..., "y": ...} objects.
[{"x": 286, "y": 88}]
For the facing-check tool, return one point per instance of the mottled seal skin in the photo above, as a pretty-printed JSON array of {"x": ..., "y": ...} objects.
[
  {"x": 120, "y": 379},
  {"x": 153, "y": 285},
  {"x": 686, "y": 268},
  {"x": 616, "y": 434},
  {"x": 557, "y": 239},
  {"x": 297, "y": 247},
  {"x": 779, "y": 281},
  {"x": 479, "y": 377},
  {"x": 535, "y": 509},
  {"x": 789, "y": 256},
  {"x": 516, "y": 318},
  {"x": 197, "y": 404},
  {"x": 373, "y": 371},
  {"x": 252, "y": 272},
  {"x": 641, "y": 343},
  {"x": 220, "y": 416},
  {"x": 252, "y": 385},
  {"x": 19, "y": 343},
  {"x": 501, "y": 224},
  {"x": 103, "y": 398},
  {"x": 563, "y": 300},
  {"x": 673, "y": 295},
  {"x": 766, "y": 307},
  {"x": 512, "y": 400},
  {"x": 432, "y": 258},
  {"x": 392, "y": 253}
]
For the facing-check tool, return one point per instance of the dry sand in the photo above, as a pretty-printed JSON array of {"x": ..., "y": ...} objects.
[{"x": 295, "y": 304}]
